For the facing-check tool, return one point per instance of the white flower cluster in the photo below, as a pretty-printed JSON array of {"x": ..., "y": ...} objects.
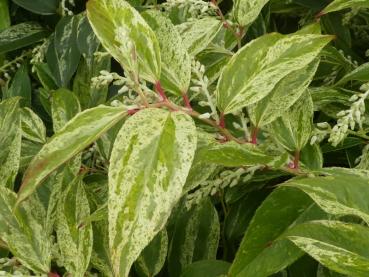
[
  {"x": 192, "y": 8},
  {"x": 38, "y": 53},
  {"x": 64, "y": 9},
  {"x": 244, "y": 124},
  {"x": 200, "y": 86},
  {"x": 16, "y": 268},
  {"x": 349, "y": 118},
  {"x": 226, "y": 178},
  {"x": 322, "y": 130},
  {"x": 363, "y": 160}
]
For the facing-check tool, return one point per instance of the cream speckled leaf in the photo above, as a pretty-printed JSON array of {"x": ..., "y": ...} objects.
[
  {"x": 256, "y": 69},
  {"x": 293, "y": 129},
  {"x": 197, "y": 34},
  {"x": 77, "y": 134},
  {"x": 342, "y": 247},
  {"x": 175, "y": 61},
  {"x": 10, "y": 141},
  {"x": 246, "y": 11},
  {"x": 195, "y": 236},
  {"x": 33, "y": 127},
  {"x": 74, "y": 241},
  {"x": 283, "y": 96},
  {"x": 338, "y": 191},
  {"x": 150, "y": 161},
  {"x": 120, "y": 27},
  {"x": 338, "y": 5},
  {"x": 64, "y": 106},
  {"x": 23, "y": 231}
]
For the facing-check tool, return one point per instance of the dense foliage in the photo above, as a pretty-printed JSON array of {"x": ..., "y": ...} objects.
[{"x": 184, "y": 138}]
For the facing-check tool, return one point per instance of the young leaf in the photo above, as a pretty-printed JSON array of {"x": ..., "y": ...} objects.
[
  {"x": 74, "y": 240},
  {"x": 175, "y": 61},
  {"x": 246, "y": 11},
  {"x": 338, "y": 5},
  {"x": 76, "y": 135},
  {"x": 153, "y": 257},
  {"x": 337, "y": 191},
  {"x": 32, "y": 126},
  {"x": 150, "y": 161},
  {"x": 264, "y": 250},
  {"x": 21, "y": 35},
  {"x": 293, "y": 129},
  {"x": 122, "y": 31},
  {"x": 342, "y": 247},
  {"x": 195, "y": 237},
  {"x": 256, "y": 69}
]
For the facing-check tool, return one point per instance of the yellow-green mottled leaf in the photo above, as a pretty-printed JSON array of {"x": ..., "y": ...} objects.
[
  {"x": 197, "y": 34},
  {"x": 10, "y": 141},
  {"x": 342, "y": 247},
  {"x": 175, "y": 61},
  {"x": 246, "y": 11},
  {"x": 32, "y": 126},
  {"x": 293, "y": 129},
  {"x": 259, "y": 66},
  {"x": 77, "y": 134},
  {"x": 120, "y": 28},
  {"x": 338, "y": 5},
  {"x": 337, "y": 191},
  {"x": 74, "y": 241},
  {"x": 150, "y": 161}
]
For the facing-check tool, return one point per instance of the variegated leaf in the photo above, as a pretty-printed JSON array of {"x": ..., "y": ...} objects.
[
  {"x": 64, "y": 106},
  {"x": 23, "y": 231},
  {"x": 246, "y": 11},
  {"x": 150, "y": 161},
  {"x": 153, "y": 257},
  {"x": 337, "y": 191},
  {"x": 175, "y": 61},
  {"x": 10, "y": 141},
  {"x": 195, "y": 237},
  {"x": 122, "y": 31},
  {"x": 293, "y": 129},
  {"x": 20, "y": 87},
  {"x": 197, "y": 34},
  {"x": 338, "y": 5},
  {"x": 256, "y": 69},
  {"x": 342, "y": 247},
  {"x": 74, "y": 240},
  {"x": 76, "y": 135},
  {"x": 33, "y": 127}
]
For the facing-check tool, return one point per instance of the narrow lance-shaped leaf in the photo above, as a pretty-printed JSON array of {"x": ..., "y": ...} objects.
[
  {"x": 77, "y": 134},
  {"x": 360, "y": 73},
  {"x": 121, "y": 30},
  {"x": 246, "y": 11},
  {"x": 33, "y": 127},
  {"x": 339, "y": 246},
  {"x": 39, "y": 6},
  {"x": 150, "y": 161},
  {"x": 175, "y": 61},
  {"x": 21, "y": 86},
  {"x": 338, "y": 5},
  {"x": 256, "y": 69}
]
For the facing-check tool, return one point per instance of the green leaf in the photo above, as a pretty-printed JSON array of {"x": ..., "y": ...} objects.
[
  {"x": 339, "y": 246},
  {"x": 64, "y": 106},
  {"x": 232, "y": 154},
  {"x": 255, "y": 70},
  {"x": 337, "y": 191},
  {"x": 338, "y": 5},
  {"x": 150, "y": 161},
  {"x": 211, "y": 268},
  {"x": 197, "y": 34},
  {"x": 283, "y": 96},
  {"x": 10, "y": 141},
  {"x": 21, "y": 35},
  {"x": 45, "y": 76},
  {"x": 76, "y": 135},
  {"x": 74, "y": 241},
  {"x": 153, "y": 257},
  {"x": 358, "y": 74},
  {"x": 195, "y": 236},
  {"x": 246, "y": 11},
  {"x": 32, "y": 126},
  {"x": 175, "y": 61},
  {"x": 264, "y": 250},
  {"x": 39, "y": 6},
  {"x": 122, "y": 31},
  {"x": 21, "y": 86},
  {"x": 23, "y": 231},
  {"x": 312, "y": 156},
  {"x": 63, "y": 55},
  {"x": 293, "y": 129}
]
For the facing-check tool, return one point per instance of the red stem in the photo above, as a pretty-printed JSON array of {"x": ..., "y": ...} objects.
[
  {"x": 296, "y": 160},
  {"x": 254, "y": 135},
  {"x": 53, "y": 274},
  {"x": 160, "y": 91},
  {"x": 187, "y": 101},
  {"x": 222, "y": 123}
]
